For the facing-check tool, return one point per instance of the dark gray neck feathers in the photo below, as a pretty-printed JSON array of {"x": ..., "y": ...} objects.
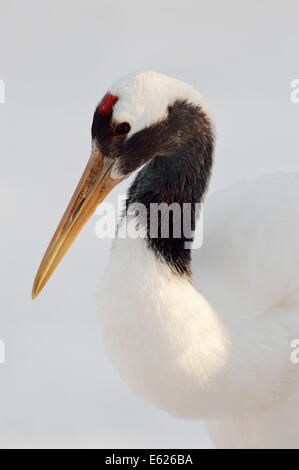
[{"x": 179, "y": 174}]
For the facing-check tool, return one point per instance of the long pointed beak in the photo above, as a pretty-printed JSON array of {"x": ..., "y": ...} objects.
[{"x": 93, "y": 187}]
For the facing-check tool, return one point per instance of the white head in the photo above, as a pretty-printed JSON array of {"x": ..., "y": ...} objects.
[{"x": 144, "y": 98}]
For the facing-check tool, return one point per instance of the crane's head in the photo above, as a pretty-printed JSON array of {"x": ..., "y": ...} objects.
[{"x": 140, "y": 117}]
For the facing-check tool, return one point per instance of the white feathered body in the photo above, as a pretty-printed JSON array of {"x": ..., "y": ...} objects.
[{"x": 219, "y": 348}]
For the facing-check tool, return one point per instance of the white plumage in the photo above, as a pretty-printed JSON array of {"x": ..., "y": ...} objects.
[
  {"x": 217, "y": 347},
  {"x": 145, "y": 98},
  {"x": 219, "y": 350}
]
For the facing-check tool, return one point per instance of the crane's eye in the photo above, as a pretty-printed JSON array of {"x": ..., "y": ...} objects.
[{"x": 122, "y": 129}]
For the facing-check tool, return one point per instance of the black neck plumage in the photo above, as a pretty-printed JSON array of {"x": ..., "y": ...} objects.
[{"x": 178, "y": 179}]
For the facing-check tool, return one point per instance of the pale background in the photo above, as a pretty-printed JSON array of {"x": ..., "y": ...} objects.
[{"x": 57, "y": 59}]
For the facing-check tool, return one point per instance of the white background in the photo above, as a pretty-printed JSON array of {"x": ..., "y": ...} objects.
[{"x": 57, "y": 59}]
